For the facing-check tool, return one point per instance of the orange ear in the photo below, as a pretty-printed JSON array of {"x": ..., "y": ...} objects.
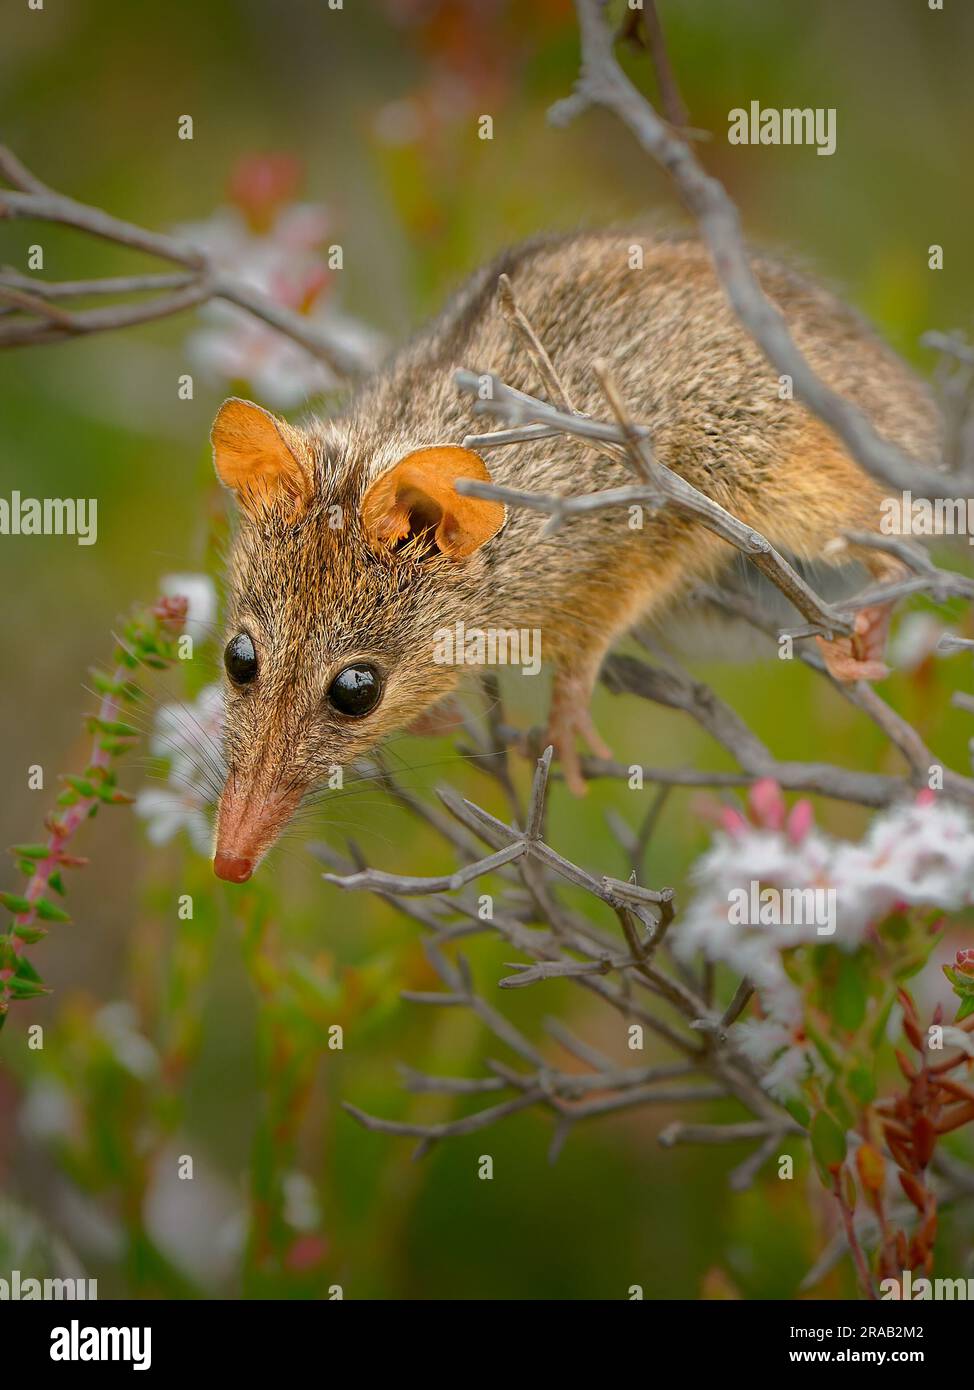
[
  {"x": 417, "y": 496},
  {"x": 262, "y": 459}
]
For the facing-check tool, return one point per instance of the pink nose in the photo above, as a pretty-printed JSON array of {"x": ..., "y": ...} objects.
[{"x": 232, "y": 870}]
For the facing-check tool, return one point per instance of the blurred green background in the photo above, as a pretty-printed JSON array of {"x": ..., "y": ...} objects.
[{"x": 380, "y": 101}]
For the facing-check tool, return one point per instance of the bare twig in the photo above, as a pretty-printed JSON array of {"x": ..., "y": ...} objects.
[
  {"x": 540, "y": 360},
  {"x": 602, "y": 82},
  {"x": 31, "y": 199},
  {"x": 659, "y": 483}
]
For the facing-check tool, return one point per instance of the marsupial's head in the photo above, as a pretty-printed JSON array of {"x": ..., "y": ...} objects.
[{"x": 338, "y": 581}]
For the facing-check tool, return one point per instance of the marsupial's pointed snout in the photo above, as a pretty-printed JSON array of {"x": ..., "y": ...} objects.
[
  {"x": 248, "y": 822},
  {"x": 232, "y": 870}
]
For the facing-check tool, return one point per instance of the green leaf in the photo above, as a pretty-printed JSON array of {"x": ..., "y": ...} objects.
[
  {"x": 25, "y": 970},
  {"x": 25, "y": 989},
  {"x": 838, "y": 1102},
  {"x": 29, "y": 851},
  {"x": 828, "y": 1142},
  {"x": 14, "y": 903},
  {"x": 896, "y": 927},
  {"x": 911, "y": 966},
  {"x": 50, "y": 912},
  {"x": 828, "y": 1056},
  {"x": 119, "y": 728},
  {"x": 863, "y": 1085},
  {"x": 79, "y": 784},
  {"x": 56, "y": 882},
  {"x": 849, "y": 997},
  {"x": 966, "y": 1008},
  {"x": 114, "y": 745},
  {"x": 104, "y": 684},
  {"x": 28, "y": 934},
  {"x": 798, "y": 1111}
]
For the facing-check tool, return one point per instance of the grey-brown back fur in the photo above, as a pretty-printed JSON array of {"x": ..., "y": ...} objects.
[{"x": 320, "y": 596}]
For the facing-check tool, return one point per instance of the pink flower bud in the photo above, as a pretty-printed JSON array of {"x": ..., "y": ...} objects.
[
  {"x": 800, "y": 821},
  {"x": 767, "y": 804},
  {"x": 260, "y": 184},
  {"x": 964, "y": 961},
  {"x": 171, "y": 611},
  {"x": 732, "y": 822}
]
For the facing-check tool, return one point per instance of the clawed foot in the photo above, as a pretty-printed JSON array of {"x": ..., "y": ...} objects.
[
  {"x": 570, "y": 719},
  {"x": 859, "y": 657}
]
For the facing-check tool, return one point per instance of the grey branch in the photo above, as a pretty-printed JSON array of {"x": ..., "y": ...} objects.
[
  {"x": 571, "y": 950},
  {"x": 602, "y": 82},
  {"x": 659, "y": 485},
  {"x": 29, "y": 198}
]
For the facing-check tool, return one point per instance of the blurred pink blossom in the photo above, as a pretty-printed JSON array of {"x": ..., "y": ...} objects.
[
  {"x": 917, "y": 854},
  {"x": 279, "y": 247}
]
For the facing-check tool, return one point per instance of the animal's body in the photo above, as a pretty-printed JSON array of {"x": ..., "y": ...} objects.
[{"x": 316, "y": 589}]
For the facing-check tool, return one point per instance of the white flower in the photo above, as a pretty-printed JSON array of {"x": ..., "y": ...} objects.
[
  {"x": 167, "y": 812},
  {"x": 916, "y": 638},
  {"x": 200, "y": 593},
  {"x": 300, "y": 1202},
  {"x": 117, "y": 1023},
  {"x": 956, "y": 1037},
  {"x": 187, "y": 737},
  {"x": 235, "y": 346},
  {"x": 921, "y": 854},
  {"x": 783, "y": 1059},
  {"x": 47, "y": 1112},
  {"x": 286, "y": 265}
]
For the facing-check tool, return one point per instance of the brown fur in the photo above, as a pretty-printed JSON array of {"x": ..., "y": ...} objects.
[{"x": 313, "y": 597}]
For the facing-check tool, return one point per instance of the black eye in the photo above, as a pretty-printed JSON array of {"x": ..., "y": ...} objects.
[
  {"x": 356, "y": 690},
  {"x": 240, "y": 659}
]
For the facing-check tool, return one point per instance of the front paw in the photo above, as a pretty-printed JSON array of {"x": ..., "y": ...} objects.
[
  {"x": 859, "y": 657},
  {"x": 570, "y": 719}
]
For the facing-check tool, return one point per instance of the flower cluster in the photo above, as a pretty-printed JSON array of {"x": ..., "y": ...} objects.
[
  {"x": 277, "y": 245},
  {"x": 918, "y": 854}
]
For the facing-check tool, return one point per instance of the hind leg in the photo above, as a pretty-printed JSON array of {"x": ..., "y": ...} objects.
[
  {"x": 569, "y": 718},
  {"x": 637, "y": 589}
]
